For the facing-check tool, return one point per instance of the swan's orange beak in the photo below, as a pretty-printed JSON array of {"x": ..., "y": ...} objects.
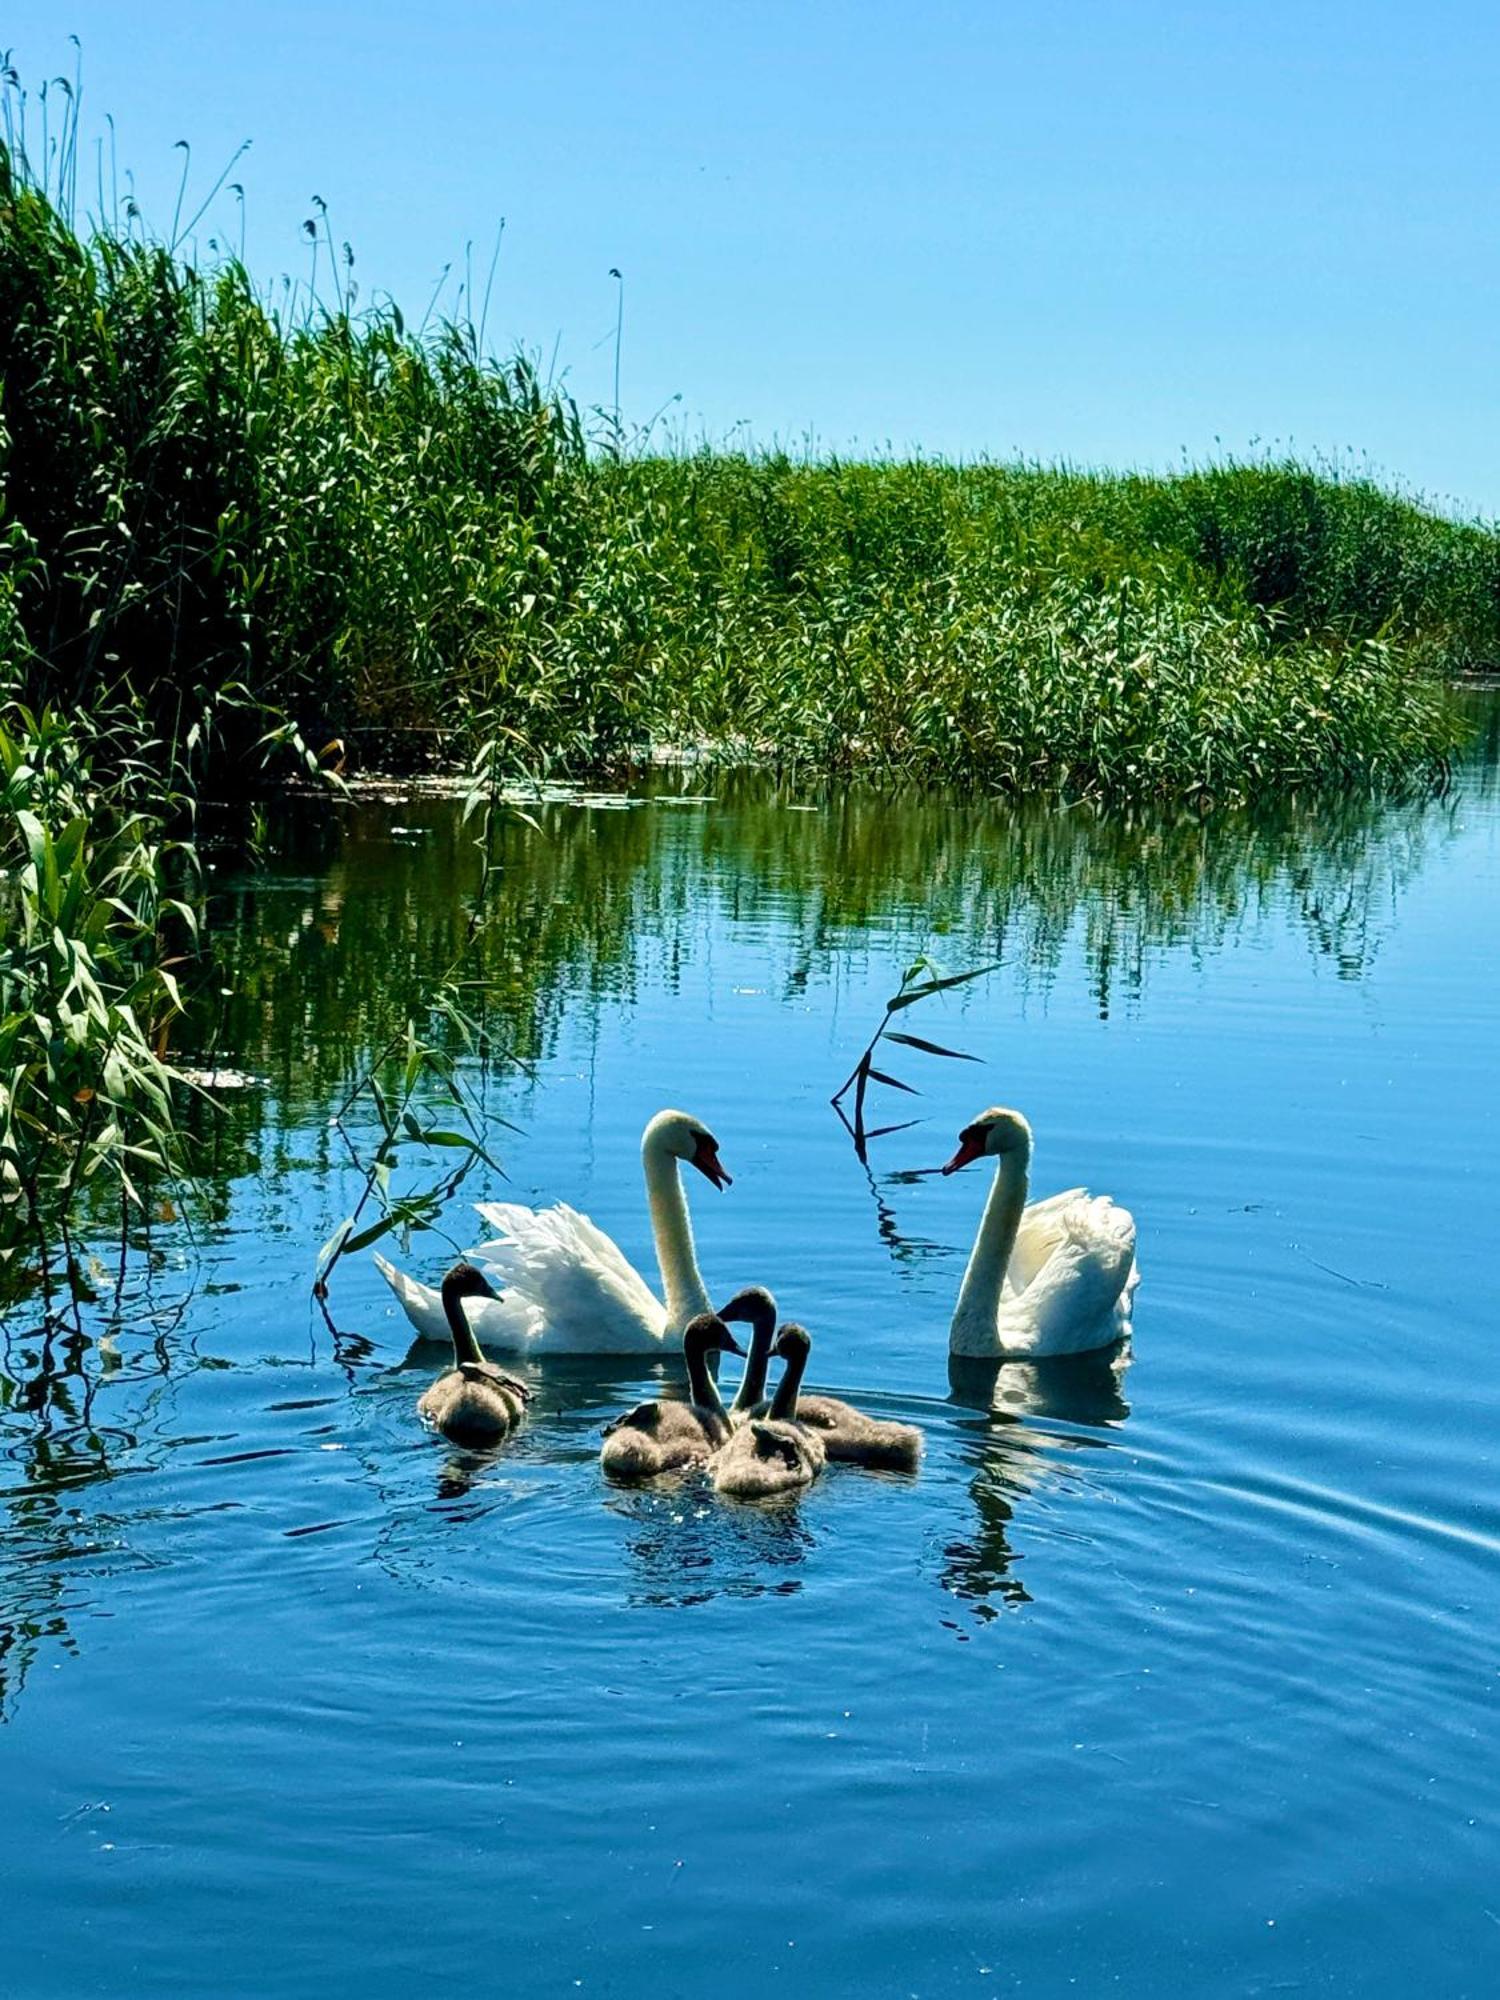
[
  {"x": 706, "y": 1160},
  {"x": 969, "y": 1150}
]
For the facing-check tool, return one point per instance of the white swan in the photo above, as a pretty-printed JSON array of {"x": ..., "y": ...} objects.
[
  {"x": 1055, "y": 1278},
  {"x": 567, "y": 1287}
]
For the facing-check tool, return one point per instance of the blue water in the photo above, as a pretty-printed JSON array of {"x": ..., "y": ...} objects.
[{"x": 1179, "y": 1673}]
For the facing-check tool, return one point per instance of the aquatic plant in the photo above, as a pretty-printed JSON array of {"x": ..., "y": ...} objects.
[
  {"x": 381, "y": 534},
  {"x": 96, "y": 903},
  {"x": 921, "y": 979},
  {"x": 416, "y": 1071}
]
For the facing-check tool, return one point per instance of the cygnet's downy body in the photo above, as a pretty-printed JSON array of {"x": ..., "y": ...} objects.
[
  {"x": 671, "y": 1435},
  {"x": 770, "y": 1456},
  {"x": 848, "y": 1435},
  {"x": 475, "y": 1404}
]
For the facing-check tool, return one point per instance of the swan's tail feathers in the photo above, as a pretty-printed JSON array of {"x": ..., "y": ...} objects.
[
  {"x": 573, "y": 1279},
  {"x": 507, "y": 1322},
  {"x": 421, "y": 1304}
]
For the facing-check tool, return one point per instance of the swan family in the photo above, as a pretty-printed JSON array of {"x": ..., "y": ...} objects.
[{"x": 1044, "y": 1279}]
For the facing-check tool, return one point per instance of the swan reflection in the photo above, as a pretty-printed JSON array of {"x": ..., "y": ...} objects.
[{"x": 1015, "y": 1451}]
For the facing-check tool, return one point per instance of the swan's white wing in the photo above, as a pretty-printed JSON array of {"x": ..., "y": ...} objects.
[
  {"x": 1042, "y": 1229},
  {"x": 505, "y": 1323},
  {"x": 421, "y": 1304},
  {"x": 1080, "y": 1297},
  {"x": 582, "y": 1293}
]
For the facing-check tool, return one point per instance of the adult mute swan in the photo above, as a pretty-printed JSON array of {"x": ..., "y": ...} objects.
[
  {"x": 669, "y": 1435},
  {"x": 1055, "y": 1278},
  {"x": 475, "y": 1403},
  {"x": 567, "y": 1287}
]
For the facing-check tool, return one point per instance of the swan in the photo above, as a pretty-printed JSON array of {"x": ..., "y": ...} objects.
[
  {"x": 776, "y": 1454},
  {"x": 568, "y": 1288},
  {"x": 669, "y": 1435},
  {"x": 847, "y": 1434},
  {"x": 475, "y": 1403},
  {"x": 1055, "y": 1278},
  {"x": 755, "y": 1306}
]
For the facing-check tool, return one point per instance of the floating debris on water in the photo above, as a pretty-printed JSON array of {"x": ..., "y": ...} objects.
[{"x": 221, "y": 1079}]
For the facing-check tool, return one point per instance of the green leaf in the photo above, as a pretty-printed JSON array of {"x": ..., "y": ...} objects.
[
  {"x": 928, "y": 1048},
  {"x": 334, "y": 1244},
  {"x": 362, "y": 1238},
  {"x": 881, "y": 1131},
  {"x": 939, "y": 985}
]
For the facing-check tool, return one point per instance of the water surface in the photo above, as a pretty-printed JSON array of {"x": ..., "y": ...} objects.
[{"x": 1172, "y": 1669}]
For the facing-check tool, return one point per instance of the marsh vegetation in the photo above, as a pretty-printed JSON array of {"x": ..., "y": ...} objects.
[
  {"x": 226, "y": 505},
  {"x": 250, "y": 534}
]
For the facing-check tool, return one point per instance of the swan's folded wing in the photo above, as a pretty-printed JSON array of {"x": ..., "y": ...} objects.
[
  {"x": 576, "y": 1281},
  {"x": 508, "y": 1322},
  {"x": 1084, "y": 1288},
  {"x": 1043, "y": 1228}
]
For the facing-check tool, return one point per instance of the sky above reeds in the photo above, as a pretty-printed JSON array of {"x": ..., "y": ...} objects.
[{"x": 1112, "y": 232}]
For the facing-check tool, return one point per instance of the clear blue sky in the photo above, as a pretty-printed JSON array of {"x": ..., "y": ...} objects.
[{"x": 1103, "y": 231}]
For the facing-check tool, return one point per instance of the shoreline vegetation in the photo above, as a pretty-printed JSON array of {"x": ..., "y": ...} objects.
[
  {"x": 236, "y": 532},
  {"x": 314, "y": 519}
]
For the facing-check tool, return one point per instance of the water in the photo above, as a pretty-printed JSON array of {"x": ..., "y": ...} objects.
[{"x": 1175, "y": 1674}]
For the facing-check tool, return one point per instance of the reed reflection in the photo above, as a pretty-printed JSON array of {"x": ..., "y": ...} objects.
[{"x": 324, "y": 956}]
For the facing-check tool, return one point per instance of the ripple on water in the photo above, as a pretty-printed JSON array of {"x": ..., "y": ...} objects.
[{"x": 1169, "y": 1669}]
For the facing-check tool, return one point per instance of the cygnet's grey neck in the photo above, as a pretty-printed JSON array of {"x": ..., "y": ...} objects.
[
  {"x": 465, "y": 1341},
  {"x": 702, "y": 1388},
  {"x": 784, "y": 1404}
]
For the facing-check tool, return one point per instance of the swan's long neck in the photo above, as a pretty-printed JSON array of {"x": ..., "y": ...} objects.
[
  {"x": 703, "y": 1390},
  {"x": 752, "y": 1387},
  {"x": 979, "y": 1294},
  {"x": 784, "y": 1404},
  {"x": 465, "y": 1341},
  {"x": 681, "y": 1281}
]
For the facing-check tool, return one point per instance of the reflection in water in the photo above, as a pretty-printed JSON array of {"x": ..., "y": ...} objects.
[
  {"x": 688, "y": 1549},
  {"x": 321, "y": 967},
  {"x": 319, "y": 964},
  {"x": 1012, "y": 1459}
]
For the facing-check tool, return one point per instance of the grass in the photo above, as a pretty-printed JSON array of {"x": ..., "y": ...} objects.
[
  {"x": 224, "y": 510},
  {"x": 233, "y": 525}
]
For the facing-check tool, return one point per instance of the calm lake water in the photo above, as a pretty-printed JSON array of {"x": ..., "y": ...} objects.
[{"x": 1175, "y": 1675}]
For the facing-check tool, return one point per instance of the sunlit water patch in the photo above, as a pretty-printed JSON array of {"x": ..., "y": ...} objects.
[{"x": 1168, "y": 1668}]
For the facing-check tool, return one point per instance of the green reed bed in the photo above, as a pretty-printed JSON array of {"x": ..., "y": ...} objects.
[
  {"x": 250, "y": 520},
  {"x": 97, "y": 906},
  {"x": 236, "y": 523}
]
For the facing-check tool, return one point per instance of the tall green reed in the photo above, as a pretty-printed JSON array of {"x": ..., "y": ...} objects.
[
  {"x": 384, "y": 535},
  {"x": 97, "y": 905}
]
